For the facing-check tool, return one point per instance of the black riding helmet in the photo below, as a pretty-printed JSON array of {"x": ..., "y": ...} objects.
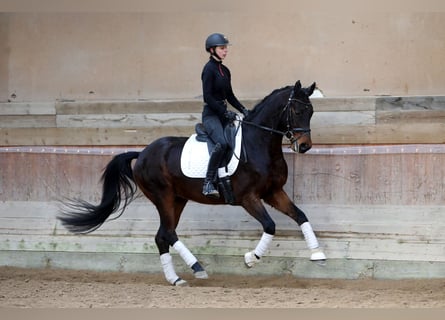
[{"x": 215, "y": 40}]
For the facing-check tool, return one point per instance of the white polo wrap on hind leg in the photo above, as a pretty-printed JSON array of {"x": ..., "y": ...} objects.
[
  {"x": 167, "y": 266},
  {"x": 185, "y": 253},
  {"x": 263, "y": 245}
]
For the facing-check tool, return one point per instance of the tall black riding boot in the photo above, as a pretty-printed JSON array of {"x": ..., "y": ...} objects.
[{"x": 208, "y": 188}]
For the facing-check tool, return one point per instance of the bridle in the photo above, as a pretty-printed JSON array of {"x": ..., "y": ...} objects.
[{"x": 289, "y": 133}]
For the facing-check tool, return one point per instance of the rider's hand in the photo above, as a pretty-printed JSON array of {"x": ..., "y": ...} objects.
[{"x": 230, "y": 115}]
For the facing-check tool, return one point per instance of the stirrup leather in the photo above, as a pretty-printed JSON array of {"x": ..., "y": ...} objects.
[{"x": 225, "y": 185}]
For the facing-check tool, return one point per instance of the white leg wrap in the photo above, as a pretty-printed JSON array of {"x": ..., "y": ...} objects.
[
  {"x": 167, "y": 266},
  {"x": 263, "y": 245},
  {"x": 185, "y": 253},
  {"x": 253, "y": 257},
  {"x": 309, "y": 236}
]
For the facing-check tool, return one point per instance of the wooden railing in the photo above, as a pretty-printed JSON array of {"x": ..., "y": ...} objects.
[{"x": 359, "y": 120}]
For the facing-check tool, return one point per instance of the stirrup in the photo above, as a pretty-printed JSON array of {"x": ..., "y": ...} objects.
[{"x": 209, "y": 190}]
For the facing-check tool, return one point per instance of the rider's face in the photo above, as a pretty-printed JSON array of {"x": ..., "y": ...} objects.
[{"x": 221, "y": 51}]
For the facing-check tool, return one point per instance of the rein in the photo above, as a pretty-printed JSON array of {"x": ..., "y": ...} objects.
[{"x": 289, "y": 132}]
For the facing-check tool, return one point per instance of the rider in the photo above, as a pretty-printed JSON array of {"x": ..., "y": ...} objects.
[{"x": 217, "y": 91}]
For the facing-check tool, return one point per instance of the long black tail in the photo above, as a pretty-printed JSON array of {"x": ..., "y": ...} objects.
[{"x": 119, "y": 189}]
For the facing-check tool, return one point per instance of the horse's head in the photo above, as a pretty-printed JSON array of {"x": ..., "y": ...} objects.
[
  {"x": 298, "y": 113},
  {"x": 287, "y": 112}
]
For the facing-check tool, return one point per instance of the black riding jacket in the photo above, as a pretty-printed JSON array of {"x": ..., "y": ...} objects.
[{"x": 217, "y": 88}]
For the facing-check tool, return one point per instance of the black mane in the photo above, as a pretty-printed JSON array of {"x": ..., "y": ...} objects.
[
  {"x": 271, "y": 95},
  {"x": 260, "y": 105}
]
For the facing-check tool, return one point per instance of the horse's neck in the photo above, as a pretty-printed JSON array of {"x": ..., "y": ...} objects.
[
  {"x": 262, "y": 147},
  {"x": 270, "y": 114},
  {"x": 265, "y": 134}
]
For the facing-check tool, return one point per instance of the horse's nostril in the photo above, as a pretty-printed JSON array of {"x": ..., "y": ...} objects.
[{"x": 304, "y": 147}]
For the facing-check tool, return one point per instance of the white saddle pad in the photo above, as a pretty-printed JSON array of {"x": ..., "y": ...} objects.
[{"x": 195, "y": 157}]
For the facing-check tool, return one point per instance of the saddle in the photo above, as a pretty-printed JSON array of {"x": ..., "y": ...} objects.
[{"x": 196, "y": 152}]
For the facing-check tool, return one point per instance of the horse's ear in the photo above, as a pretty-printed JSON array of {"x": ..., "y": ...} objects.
[
  {"x": 311, "y": 89},
  {"x": 297, "y": 86}
]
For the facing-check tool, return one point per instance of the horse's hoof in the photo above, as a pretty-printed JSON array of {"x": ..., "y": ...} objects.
[
  {"x": 318, "y": 255},
  {"x": 250, "y": 259},
  {"x": 201, "y": 275},
  {"x": 180, "y": 283}
]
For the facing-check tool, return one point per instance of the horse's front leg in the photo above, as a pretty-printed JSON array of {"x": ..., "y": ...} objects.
[{"x": 280, "y": 201}]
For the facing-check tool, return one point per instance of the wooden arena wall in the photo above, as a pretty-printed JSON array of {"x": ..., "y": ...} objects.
[
  {"x": 51, "y": 54},
  {"x": 372, "y": 187}
]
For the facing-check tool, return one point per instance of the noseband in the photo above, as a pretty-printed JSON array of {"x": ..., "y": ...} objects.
[{"x": 289, "y": 133}]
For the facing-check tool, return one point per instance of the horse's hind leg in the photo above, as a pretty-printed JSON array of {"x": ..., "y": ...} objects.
[
  {"x": 167, "y": 237},
  {"x": 280, "y": 201},
  {"x": 256, "y": 209},
  {"x": 162, "y": 238},
  {"x": 163, "y": 245}
]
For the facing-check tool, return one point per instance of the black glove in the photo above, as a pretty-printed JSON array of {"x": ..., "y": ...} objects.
[{"x": 230, "y": 115}]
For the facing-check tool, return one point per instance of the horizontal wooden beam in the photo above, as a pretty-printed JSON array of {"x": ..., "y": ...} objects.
[
  {"x": 343, "y": 120},
  {"x": 27, "y": 108},
  {"x": 87, "y": 136},
  {"x": 400, "y": 133}
]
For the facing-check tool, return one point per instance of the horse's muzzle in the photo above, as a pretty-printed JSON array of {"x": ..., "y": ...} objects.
[{"x": 301, "y": 144}]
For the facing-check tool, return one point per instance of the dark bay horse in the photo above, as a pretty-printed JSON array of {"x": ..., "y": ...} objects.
[{"x": 260, "y": 176}]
